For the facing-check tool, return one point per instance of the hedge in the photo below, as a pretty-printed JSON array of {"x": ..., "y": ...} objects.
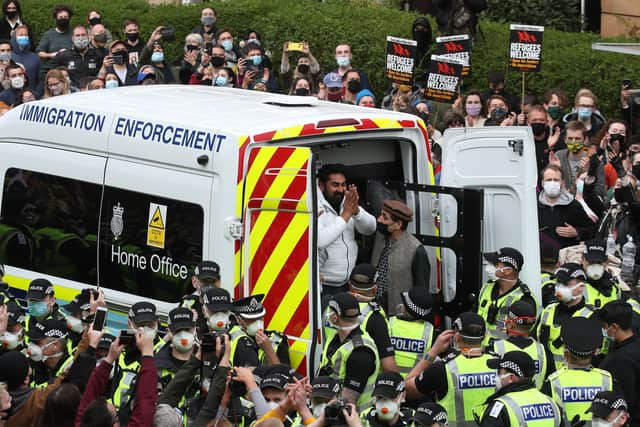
[{"x": 568, "y": 60}]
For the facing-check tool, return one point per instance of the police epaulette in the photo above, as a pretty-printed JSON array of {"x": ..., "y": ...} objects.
[
  {"x": 357, "y": 341},
  {"x": 525, "y": 288},
  {"x": 374, "y": 305},
  {"x": 450, "y": 356}
]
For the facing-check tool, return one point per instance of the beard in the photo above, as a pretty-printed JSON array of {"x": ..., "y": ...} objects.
[{"x": 334, "y": 200}]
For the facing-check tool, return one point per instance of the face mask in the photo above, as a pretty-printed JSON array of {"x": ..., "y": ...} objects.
[
  {"x": 132, "y": 36},
  {"x": 552, "y": 188},
  {"x": 584, "y": 113},
  {"x": 62, "y": 24},
  {"x": 318, "y": 409},
  {"x": 595, "y": 271},
  {"x": 81, "y": 42},
  {"x": 183, "y": 341},
  {"x": 599, "y": 422},
  {"x": 11, "y": 14},
  {"x": 302, "y": 91},
  {"x": 254, "y": 41},
  {"x": 538, "y": 129},
  {"x": 499, "y": 379},
  {"x": 100, "y": 38},
  {"x": 272, "y": 405},
  {"x": 564, "y": 293},
  {"x": 575, "y": 147},
  {"x": 499, "y": 114},
  {"x": 17, "y": 82},
  {"x": 5, "y": 56},
  {"x": 490, "y": 269},
  {"x": 580, "y": 186},
  {"x": 343, "y": 61},
  {"x": 56, "y": 90},
  {"x": 386, "y": 409},
  {"x": 217, "y": 61},
  {"x": 74, "y": 324},
  {"x": 111, "y": 84},
  {"x": 95, "y": 21},
  {"x": 334, "y": 96},
  {"x": 605, "y": 333},
  {"x": 354, "y": 86},
  {"x": 38, "y": 309},
  {"x": 157, "y": 57},
  {"x": 382, "y": 228},
  {"x": 23, "y": 41},
  {"x": 221, "y": 81},
  {"x": 256, "y": 60},
  {"x": 218, "y": 321},
  {"x": 10, "y": 341},
  {"x": 303, "y": 68},
  {"x": 255, "y": 327},
  {"x": 227, "y": 45},
  {"x": 473, "y": 109},
  {"x": 555, "y": 111},
  {"x": 150, "y": 332},
  {"x": 635, "y": 170},
  {"x": 208, "y": 21},
  {"x": 35, "y": 352}
]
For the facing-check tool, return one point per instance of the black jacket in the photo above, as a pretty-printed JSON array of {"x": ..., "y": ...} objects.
[{"x": 623, "y": 362}]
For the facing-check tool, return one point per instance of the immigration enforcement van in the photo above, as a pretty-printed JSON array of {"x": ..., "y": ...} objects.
[{"x": 129, "y": 189}]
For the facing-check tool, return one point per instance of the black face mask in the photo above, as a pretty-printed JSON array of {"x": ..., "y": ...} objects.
[
  {"x": 303, "y": 68},
  {"x": 302, "y": 91},
  {"x": 62, "y": 24},
  {"x": 635, "y": 170},
  {"x": 12, "y": 14},
  {"x": 132, "y": 36},
  {"x": 539, "y": 129},
  {"x": 217, "y": 61},
  {"x": 94, "y": 21},
  {"x": 354, "y": 86},
  {"x": 624, "y": 194},
  {"x": 382, "y": 229}
]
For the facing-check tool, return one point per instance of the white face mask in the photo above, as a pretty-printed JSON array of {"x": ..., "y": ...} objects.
[
  {"x": 150, "y": 332},
  {"x": 499, "y": 379},
  {"x": 490, "y": 269},
  {"x": 318, "y": 409},
  {"x": 218, "y": 321},
  {"x": 17, "y": 82},
  {"x": 183, "y": 341},
  {"x": 272, "y": 405},
  {"x": 386, "y": 409},
  {"x": 595, "y": 271},
  {"x": 599, "y": 422},
  {"x": 564, "y": 293},
  {"x": 552, "y": 188},
  {"x": 36, "y": 353},
  {"x": 254, "y": 327},
  {"x": 74, "y": 324},
  {"x": 10, "y": 341}
]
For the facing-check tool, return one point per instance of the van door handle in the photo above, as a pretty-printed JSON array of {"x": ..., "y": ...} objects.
[{"x": 517, "y": 145}]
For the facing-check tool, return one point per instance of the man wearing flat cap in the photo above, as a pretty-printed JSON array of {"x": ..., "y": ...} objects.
[
  {"x": 401, "y": 260},
  {"x": 503, "y": 289}
]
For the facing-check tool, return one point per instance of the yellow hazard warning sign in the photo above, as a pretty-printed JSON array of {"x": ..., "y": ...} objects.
[{"x": 157, "y": 225}]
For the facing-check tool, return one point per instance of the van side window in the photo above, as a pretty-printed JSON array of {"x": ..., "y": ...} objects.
[
  {"x": 149, "y": 245},
  {"x": 49, "y": 224}
]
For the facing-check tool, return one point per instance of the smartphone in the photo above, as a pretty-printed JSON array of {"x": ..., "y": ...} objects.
[
  {"x": 208, "y": 46},
  {"x": 209, "y": 343},
  {"x": 626, "y": 83},
  {"x": 168, "y": 34},
  {"x": 295, "y": 46},
  {"x": 100, "y": 319},
  {"x": 191, "y": 48},
  {"x": 127, "y": 337}
]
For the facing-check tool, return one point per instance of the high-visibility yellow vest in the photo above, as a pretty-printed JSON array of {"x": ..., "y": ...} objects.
[
  {"x": 534, "y": 349},
  {"x": 592, "y": 296},
  {"x": 411, "y": 341},
  {"x": 496, "y": 325},
  {"x": 531, "y": 408}
]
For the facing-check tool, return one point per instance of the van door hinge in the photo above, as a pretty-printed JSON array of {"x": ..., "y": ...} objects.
[
  {"x": 517, "y": 145},
  {"x": 233, "y": 229}
]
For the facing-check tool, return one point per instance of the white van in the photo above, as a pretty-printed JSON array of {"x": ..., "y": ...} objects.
[{"x": 129, "y": 189}]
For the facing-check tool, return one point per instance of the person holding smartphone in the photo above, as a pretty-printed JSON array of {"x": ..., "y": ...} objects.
[{"x": 117, "y": 63}]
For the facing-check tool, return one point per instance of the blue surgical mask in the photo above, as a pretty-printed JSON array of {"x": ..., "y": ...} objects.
[
  {"x": 227, "y": 45},
  {"x": 23, "y": 41},
  {"x": 157, "y": 57},
  {"x": 343, "y": 61},
  {"x": 111, "y": 84},
  {"x": 38, "y": 309},
  {"x": 257, "y": 60},
  {"x": 584, "y": 113},
  {"x": 221, "y": 81}
]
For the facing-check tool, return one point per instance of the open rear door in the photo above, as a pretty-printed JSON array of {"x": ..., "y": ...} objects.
[
  {"x": 279, "y": 254},
  {"x": 500, "y": 161}
]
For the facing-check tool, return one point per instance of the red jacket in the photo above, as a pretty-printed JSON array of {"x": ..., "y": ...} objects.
[{"x": 146, "y": 392}]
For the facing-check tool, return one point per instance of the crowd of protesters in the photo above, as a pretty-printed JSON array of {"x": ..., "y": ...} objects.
[{"x": 571, "y": 357}]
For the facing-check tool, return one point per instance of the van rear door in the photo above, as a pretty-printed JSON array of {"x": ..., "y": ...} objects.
[
  {"x": 500, "y": 161},
  {"x": 278, "y": 253}
]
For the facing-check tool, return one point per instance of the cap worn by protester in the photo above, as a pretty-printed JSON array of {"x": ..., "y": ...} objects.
[
  {"x": 606, "y": 402},
  {"x": 325, "y": 387},
  {"x": 143, "y": 312},
  {"x": 274, "y": 380},
  {"x": 398, "y": 210},
  {"x": 363, "y": 93},
  {"x": 50, "y": 328},
  {"x": 508, "y": 256},
  {"x": 470, "y": 325},
  {"x": 105, "y": 341},
  {"x": 250, "y": 307},
  {"x": 522, "y": 312},
  {"x": 15, "y": 315},
  {"x": 389, "y": 385},
  {"x": 517, "y": 362},
  {"x": 181, "y": 318},
  {"x": 582, "y": 336},
  {"x": 332, "y": 80},
  {"x": 14, "y": 368},
  {"x": 594, "y": 251},
  {"x": 207, "y": 271},
  {"x": 430, "y": 413},
  {"x": 362, "y": 277},
  {"x": 345, "y": 305},
  {"x": 79, "y": 303},
  {"x": 216, "y": 299},
  {"x": 418, "y": 302},
  {"x": 495, "y": 76},
  {"x": 39, "y": 289},
  {"x": 142, "y": 76},
  {"x": 568, "y": 272}
]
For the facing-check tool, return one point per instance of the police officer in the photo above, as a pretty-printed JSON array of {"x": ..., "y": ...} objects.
[
  {"x": 351, "y": 355},
  {"x": 77, "y": 311},
  {"x": 430, "y": 414},
  {"x": 216, "y": 307},
  {"x": 573, "y": 386},
  {"x": 252, "y": 344},
  {"x": 12, "y": 338},
  {"x": 601, "y": 287},
  {"x": 48, "y": 349},
  {"x": 411, "y": 332},
  {"x": 570, "y": 280},
  {"x": 389, "y": 395},
  {"x": 172, "y": 355},
  {"x": 520, "y": 321},
  {"x": 41, "y": 302},
  {"x": 517, "y": 402},
  {"x": 324, "y": 390},
  {"x": 609, "y": 409},
  {"x": 205, "y": 275},
  {"x": 461, "y": 380},
  {"x": 503, "y": 289}
]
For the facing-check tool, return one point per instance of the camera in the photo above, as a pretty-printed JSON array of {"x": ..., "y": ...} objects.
[
  {"x": 209, "y": 342},
  {"x": 118, "y": 58},
  {"x": 616, "y": 137},
  {"x": 168, "y": 34},
  {"x": 333, "y": 414},
  {"x": 499, "y": 115}
]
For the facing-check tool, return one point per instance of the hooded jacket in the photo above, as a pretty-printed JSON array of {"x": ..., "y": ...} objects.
[
  {"x": 563, "y": 156},
  {"x": 27, "y": 58},
  {"x": 597, "y": 121}
]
